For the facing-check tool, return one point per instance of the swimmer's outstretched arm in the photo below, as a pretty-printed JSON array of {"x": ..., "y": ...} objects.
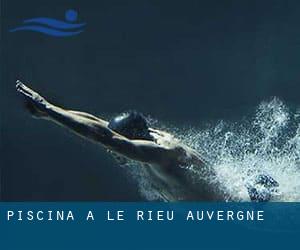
[{"x": 95, "y": 129}]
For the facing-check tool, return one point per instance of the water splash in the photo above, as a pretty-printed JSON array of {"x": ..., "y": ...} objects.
[{"x": 267, "y": 142}]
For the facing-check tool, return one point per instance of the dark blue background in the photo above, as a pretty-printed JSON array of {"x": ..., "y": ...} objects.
[
  {"x": 279, "y": 230},
  {"x": 182, "y": 62}
]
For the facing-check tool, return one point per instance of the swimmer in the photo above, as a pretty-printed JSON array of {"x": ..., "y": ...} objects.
[{"x": 129, "y": 136}]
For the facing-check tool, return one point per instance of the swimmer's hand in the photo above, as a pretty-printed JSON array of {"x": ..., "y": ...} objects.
[{"x": 35, "y": 103}]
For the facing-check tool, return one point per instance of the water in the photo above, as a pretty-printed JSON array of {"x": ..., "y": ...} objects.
[{"x": 268, "y": 141}]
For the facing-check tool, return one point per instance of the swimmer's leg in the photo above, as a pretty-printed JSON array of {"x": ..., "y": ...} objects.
[{"x": 263, "y": 188}]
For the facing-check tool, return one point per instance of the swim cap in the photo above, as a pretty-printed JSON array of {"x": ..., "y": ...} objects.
[{"x": 132, "y": 125}]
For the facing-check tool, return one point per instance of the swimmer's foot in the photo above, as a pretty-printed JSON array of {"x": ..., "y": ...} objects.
[{"x": 34, "y": 103}]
